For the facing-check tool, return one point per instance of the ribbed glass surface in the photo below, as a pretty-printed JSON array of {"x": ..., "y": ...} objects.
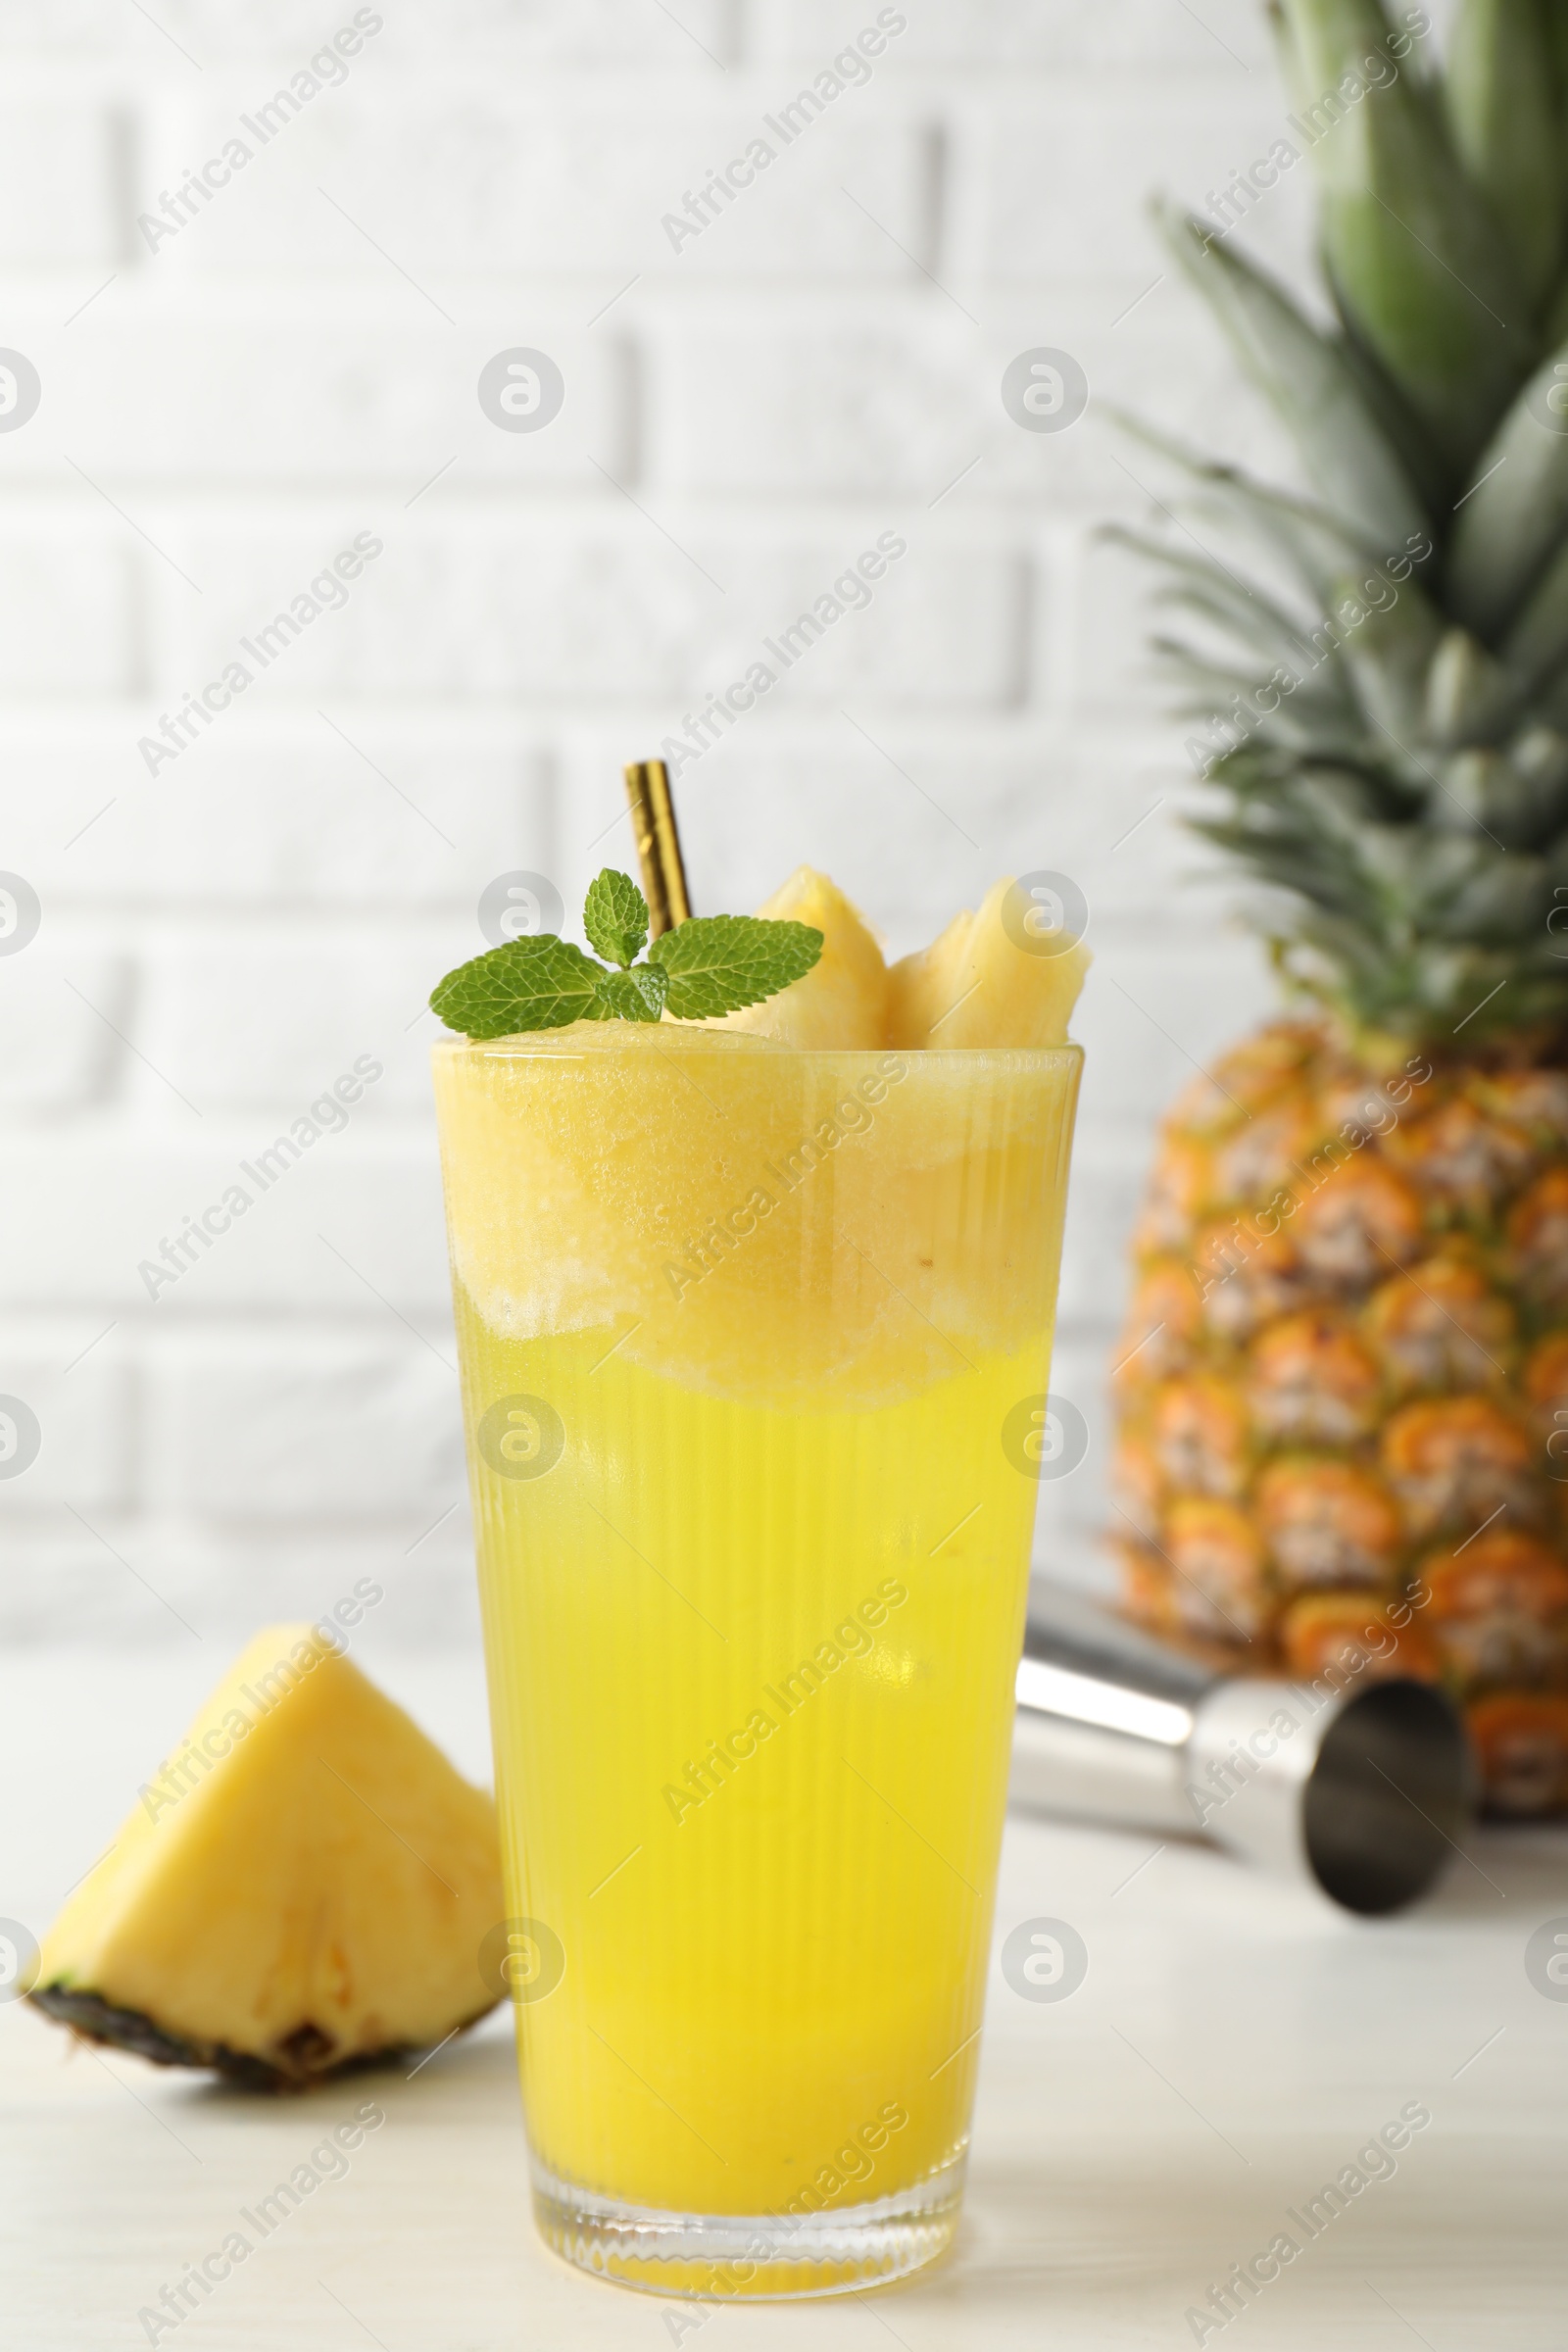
[{"x": 754, "y": 1548}]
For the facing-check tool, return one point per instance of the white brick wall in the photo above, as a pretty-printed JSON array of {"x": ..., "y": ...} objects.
[{"x": 298, "y": 364}]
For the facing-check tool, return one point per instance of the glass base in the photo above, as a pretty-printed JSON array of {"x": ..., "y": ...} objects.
[{"x": 727, "y": 2256}]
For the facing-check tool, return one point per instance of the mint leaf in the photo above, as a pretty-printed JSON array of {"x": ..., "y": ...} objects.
[
  {"x": 719, "y": 962},
  {"x": 537, "y": 983},
  {"x": 711, "y": 965},
  {"x": 634, "y": 996},
  {"x": 614, "y": 915}
]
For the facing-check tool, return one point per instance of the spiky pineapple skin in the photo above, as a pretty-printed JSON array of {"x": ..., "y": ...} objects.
[{"x": 1341, "y": 1396}]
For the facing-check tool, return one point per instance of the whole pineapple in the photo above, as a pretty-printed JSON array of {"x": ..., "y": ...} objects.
[{"x": 1344, "y": 1389}]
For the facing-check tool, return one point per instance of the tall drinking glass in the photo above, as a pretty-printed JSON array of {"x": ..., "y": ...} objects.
[{"x": 755, "y": 1346}]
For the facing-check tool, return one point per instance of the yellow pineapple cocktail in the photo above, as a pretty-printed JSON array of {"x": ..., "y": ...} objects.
[{"x": 749, "y": 1335}]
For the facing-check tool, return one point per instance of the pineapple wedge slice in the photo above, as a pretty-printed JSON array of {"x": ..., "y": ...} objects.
[
  {"x": 843, "y": 1000},
  {"x": 976, "y": 985},
  {"x": 304, "y": 1886}
]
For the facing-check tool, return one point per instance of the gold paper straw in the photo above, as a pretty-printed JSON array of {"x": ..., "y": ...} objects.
[{"x": 652, "y": 818}]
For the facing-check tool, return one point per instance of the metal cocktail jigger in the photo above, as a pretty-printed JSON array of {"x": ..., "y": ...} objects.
[{"x": 1362, "y": 1787}]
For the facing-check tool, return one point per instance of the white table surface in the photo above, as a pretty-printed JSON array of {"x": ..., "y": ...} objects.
[{"x": 1233, "y": 2045}]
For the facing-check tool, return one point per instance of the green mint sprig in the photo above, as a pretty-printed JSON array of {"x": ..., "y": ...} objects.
[{"x": 707, "y": 966}]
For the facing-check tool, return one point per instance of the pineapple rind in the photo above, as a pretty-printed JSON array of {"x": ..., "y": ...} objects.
[{"x": 1307, "y": 1464}]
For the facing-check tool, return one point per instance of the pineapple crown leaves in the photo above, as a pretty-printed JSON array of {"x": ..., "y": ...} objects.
[
  {"x": 1380, "y": 666},
  {"x": 709, "y": 966}
]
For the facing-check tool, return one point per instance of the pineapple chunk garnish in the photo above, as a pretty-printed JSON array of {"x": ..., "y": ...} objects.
[
  {"x": 989, "y": 980},
  {"x": 843, "y": 1000},
  {"x": 977, "y": 985}
]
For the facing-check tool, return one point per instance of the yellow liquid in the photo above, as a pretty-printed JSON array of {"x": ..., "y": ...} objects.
[{"x": 750, "y": 1659}]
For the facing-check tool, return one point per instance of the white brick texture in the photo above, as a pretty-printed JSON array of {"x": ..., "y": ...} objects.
[
  {"x": 760, "y": 376},
  {"x": 280, "y": 1435},
  {"x": 58, "y": 167}
]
